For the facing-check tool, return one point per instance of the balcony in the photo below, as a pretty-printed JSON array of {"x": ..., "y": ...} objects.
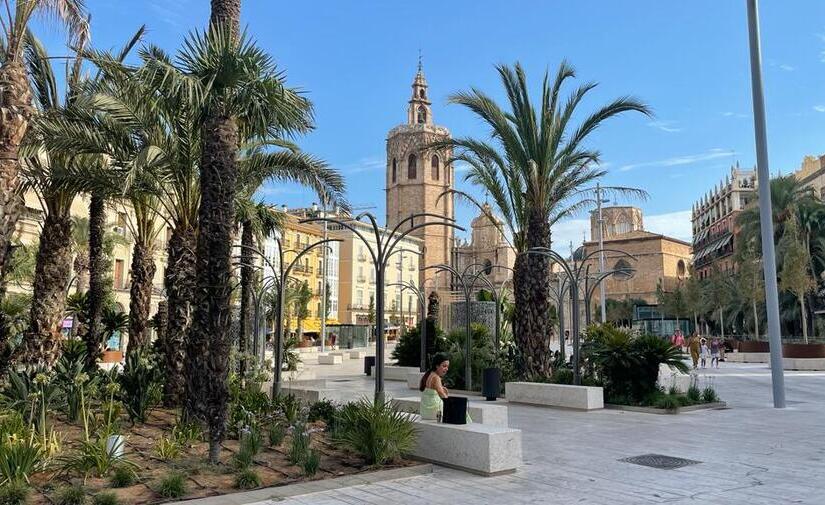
[
  {"x": 303, "y": 269},
  {"x": 361, "y": 278}
]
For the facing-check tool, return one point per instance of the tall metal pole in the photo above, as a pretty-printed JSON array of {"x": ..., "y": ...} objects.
[
  {"x": 324, "y": 307},
  {"x": 765, "y": 208},
  {"x": 601, "y": 255}
]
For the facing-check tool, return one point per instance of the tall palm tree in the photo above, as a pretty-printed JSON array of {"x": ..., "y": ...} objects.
[
  {"x": 535, "y": 173},
  {"x": 240, "y": 95},
  {"x": 16, "y": 100},
  {"x": 43, "y": 170}
]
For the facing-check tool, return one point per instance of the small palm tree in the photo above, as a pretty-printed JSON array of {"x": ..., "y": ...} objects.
[{"x": 536, "y": 172}]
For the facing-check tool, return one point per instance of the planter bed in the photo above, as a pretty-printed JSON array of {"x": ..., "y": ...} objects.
[
  {"x": 654, "y": 410},
  {"x": 202, "y": 480}
]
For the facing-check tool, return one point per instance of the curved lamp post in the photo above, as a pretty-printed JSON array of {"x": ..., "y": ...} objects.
[
  {"x": 380, "y": 249},
  {"x": 574, "y": 273}
]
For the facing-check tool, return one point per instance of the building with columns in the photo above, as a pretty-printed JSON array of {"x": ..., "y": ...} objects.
[
  {"x": 488, "y": 247},
  {"x": 811, "y": 174},
  {"x": 418, "y": 175}
]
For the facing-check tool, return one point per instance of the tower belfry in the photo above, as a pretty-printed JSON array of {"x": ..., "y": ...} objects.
[{"x": 417, "y": 174}]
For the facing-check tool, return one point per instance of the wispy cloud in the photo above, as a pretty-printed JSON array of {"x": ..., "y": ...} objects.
[
  {"x": 368, "y": 164},
  {"x": 665, "y": 126},
  {"x": 687, "y": 159},
  {"x": 171, "y": 13},
  {"x": 735, "y": 114},
  {"x": 787, "y": 68},
  {"x": 819, "y": 108}
]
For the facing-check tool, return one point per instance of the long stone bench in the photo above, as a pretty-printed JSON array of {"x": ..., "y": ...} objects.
[
  {"x": 555, "y": 395},
  {"x": 310, "y": 394},
  {"x": 342, "y": 354},
  {"x": 357, "y": 354},
  {"x": 480, "y": 411},
  {"x": 748, "y": 357},
  {"x": 396, "y": 373},
  {"x": 809, "y": 364},
  {"x": 669, "y": 378},
  {"x": 414, "y": 379},
  {"x": 483, "y": 449}
]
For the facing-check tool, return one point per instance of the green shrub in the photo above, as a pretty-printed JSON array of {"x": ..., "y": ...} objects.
[
  {"x": 139, "y": 384},
  {"x": 122, "y": 476},
  {"x": 562, "y": 376},
  {"x": 167, "y": 448},
  {"x": 172, "y": 486},
  {"x": 628, "y": 365},
  {"x": 311, "y": 463},
  {"x": 252, "y": 441},
  {"x": 709, "y": 395},
  {"x": 407, "y": 351},
  {"x": 276, "y": 433},
  {"x": 289, "y": 407},
  {"x": 250, "y": 445},
  {"x": 693, "y": 394},
  {"x": 14, "y": 493},
  {"x": 300, "y": 444},
  {"x": 70, "y": 495},
  {"x": 94, "y": 458},
  {"x": 667, "y": 402},
  {"x": 323, "y": 410},
  {"x": 376, "y": 431},
  {"x": 247, "y": 479},
  {"x": 187, "y": 432},
  {"x": 106, "y": 498},
  {"x": 20, "y": 456},
  {"x": 74, "y": 383}
]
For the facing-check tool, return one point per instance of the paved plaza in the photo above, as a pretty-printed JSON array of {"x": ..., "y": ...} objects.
[{"x": 748, "y": 454}]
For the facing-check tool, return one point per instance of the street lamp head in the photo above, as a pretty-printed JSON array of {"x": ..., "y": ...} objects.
[
  {"x": 314, "y": 207},
  {"x": 284, "y": 208}
]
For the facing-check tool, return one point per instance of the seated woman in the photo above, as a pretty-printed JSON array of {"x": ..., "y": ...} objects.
[{"x": 432, "y": 390}]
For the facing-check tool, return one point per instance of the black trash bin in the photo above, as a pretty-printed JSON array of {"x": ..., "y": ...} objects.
[
  {"x": 455, "y": 410},
  {"x": 369, "y": 362},
  {"x": 491, "y": 383}
]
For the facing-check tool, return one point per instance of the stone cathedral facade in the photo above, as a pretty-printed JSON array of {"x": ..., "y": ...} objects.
[{"x": 418, "y": 175}]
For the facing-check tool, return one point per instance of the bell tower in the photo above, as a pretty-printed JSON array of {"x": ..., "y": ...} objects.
[{"x": 417, "y": 175}]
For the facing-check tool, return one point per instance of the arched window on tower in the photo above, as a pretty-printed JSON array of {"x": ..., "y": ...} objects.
[
  {"x": 422, "y": 114},
  {"x": 436, "y": 168},
  {"x": 622, "y": 270},
  {"x": 412, "y": 167},
  {"x": 394, "y": 169},
  {"x": 422, "y": 93}
]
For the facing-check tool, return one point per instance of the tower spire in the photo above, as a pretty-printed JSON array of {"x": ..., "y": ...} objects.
[{"x": 419, "y": 112}]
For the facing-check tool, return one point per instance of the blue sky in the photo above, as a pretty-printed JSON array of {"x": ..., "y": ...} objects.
[{"x": 687, "y": 60}]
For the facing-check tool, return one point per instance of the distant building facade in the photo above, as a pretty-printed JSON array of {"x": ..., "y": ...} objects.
[
  {"x": 713, "y": 219},
  {"x": 811, "y": 174},
  {"x": 487, "y": 248}
]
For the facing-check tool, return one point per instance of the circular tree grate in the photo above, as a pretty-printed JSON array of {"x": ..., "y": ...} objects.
[{"x": 660, "y": 461}]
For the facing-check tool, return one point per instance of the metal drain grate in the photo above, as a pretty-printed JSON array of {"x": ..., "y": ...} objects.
[{"x": 660, "y": 461}]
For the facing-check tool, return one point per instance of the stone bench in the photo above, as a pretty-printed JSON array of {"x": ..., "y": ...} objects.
[
  {"x": 480, "y": 411},
  {"x": 330, "y": 359},
  {"x": 555, "y": 395},
  {"x": 748, "y": 357},
  {"x": 414, "y": 379},
  {"x": 343, "y": 354},
  {"x": 308, "y": 394},
  {"x": 478, "y": 448},
  {"x": 809, "y": 364},
  {"x": 396, "y": 373},
  {"x": 673, "y": 378},
  {"x": 357, "y": 354}
]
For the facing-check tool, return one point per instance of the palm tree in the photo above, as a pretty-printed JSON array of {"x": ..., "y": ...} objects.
[
  {"x": 240, "y": 95},
  {"x": 535, "y": 174},
  {"x": 16, "y": 100},
  {"x": 44, "y": 170}
]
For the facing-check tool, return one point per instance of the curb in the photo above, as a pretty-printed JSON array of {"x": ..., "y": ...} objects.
[{"x": 302, "y": 488}]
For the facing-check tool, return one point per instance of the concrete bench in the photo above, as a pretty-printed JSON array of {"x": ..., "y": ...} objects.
[
  {"x": 343, "y": 354},
  {"x": 748, "y": 357},
  {"x": 673, "y": 378},
  {"x": 330, "y": 359},
  {"x": 480, "y": 411},
  {"x": 308, "y": 394},
  {"x": 357, "y": 354},
  {"x": 809, "y": 364},
  {"x": 396, "y": 373},
  {"x": 556, "y": 395},
  {"x": 478, "y": 448},
  {"x": 414, "y": 379}
]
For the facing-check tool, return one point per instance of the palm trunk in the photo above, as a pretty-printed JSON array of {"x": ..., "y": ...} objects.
[
  {"x": 140, "y": 296},
  {"x": 531, "y": 324},
  {"x": 755, "y": 321},
  {"x": 41, "y": 343},
  {"x": 804, "y": 318},
  {"x": 15, "y": 100},
  {"x": 212, "y": 314},
  {"x": 180, "y": 289},
  {"x": 247, "y": 245},
  {"x": 97, "y": 270}
]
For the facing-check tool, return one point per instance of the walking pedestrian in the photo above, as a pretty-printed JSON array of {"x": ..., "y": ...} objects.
[
  {"x": 694, "y": 347},
  {"x": 715, "y": 348},
  {"x": 704, "y": 352}
]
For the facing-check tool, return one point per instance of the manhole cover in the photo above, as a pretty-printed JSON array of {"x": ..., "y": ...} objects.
[{"x": 660, "y": 461}]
